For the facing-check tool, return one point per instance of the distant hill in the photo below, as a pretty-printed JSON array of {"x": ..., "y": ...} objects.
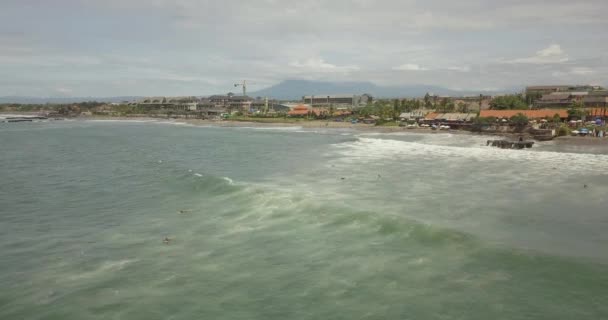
[
  {"x": 37, "y": 100},
  {"x": 295, "y": 89}
]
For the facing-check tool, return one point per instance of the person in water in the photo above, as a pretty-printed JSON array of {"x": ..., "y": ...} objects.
[{"x": 166, "y": 240}]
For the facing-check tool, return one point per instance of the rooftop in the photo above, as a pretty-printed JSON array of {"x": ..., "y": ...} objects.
[{"x": 531, "y": 114}]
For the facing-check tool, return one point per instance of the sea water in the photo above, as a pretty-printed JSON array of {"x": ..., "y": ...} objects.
[{"x": 296, "y": 224}]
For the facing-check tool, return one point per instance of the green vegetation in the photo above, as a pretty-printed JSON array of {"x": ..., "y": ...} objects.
[
  {"x": 480, "y": 122},
  {"x": 384, "y": 123},
  {"x": 519, "y": 120},
  {"x": 63, "y": 109},
  {"x": 509, "y": 102},
  {"x": 532, "y": 97},
  {"x": 577, "y": 110},
  {"x": 563, "y": 130}
]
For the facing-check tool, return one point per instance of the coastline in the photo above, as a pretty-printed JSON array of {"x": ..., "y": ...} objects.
[
  {"x": 333, "y": 125},
  {"x": 312, "y": 124}
]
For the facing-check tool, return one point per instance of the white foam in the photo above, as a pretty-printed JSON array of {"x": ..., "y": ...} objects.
[
  {"x": 373, "y": 150},
  {"x": 120, "y": 121},
  {"x": 230, "y": 181},
  {"x": 198, "y": 174},
  {"x": 108, "y": 266},
  {"x": 295, "y": 128}
]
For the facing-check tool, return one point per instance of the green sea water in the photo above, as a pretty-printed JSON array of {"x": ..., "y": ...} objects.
[{"x": 296, "y": 224}]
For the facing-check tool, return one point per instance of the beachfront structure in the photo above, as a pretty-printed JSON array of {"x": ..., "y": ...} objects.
[
  {"x": 338, "y": 100},
  {"x": 450, "y": 117},
  {"x": 414, "y": 115},
  {"x": 531, "y": 114}
]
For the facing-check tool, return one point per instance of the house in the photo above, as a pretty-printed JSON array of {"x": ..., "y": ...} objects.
[
  {"x": 300, "y": 111},
  {"x": 414, "y": 115}
]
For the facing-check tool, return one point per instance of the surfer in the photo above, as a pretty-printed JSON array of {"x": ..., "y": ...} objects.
[{"x": 166, "y": 240}]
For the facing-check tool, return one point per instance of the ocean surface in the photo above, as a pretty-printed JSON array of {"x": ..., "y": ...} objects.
[{"x": 289, "y": 223}]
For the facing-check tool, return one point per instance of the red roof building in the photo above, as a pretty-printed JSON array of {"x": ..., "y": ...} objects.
[{"x": 531, "y": 114}]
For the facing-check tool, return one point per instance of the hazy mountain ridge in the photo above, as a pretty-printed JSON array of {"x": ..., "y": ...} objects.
[
  {"x": 290, "y": 90},
  {"x": 295, "y": 89}
]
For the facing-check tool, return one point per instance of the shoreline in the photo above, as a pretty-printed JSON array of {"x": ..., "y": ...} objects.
[
  {"x": 333, "y": 125},
  {"x": 312, "y": 124}
]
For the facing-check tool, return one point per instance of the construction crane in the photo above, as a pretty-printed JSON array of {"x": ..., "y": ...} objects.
[{"x": 244, "y": 85}]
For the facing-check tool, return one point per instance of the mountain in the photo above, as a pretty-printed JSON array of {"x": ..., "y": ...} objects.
[
  {"x": 295, "y": 89},
  {"x": 37, "y": 100}
]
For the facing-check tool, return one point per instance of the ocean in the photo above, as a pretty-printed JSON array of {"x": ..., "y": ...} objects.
[{"x": 295, "y": 223}]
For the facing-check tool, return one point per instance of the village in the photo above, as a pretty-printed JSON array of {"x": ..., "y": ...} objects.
[{"x": 540, "y": 112}]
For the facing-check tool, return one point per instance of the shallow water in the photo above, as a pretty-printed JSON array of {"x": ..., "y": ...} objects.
[{"x": 295, "y": 224}]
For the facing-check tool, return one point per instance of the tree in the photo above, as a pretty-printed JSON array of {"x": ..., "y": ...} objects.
[
  {"x": 443, "y": 104},
  {"x": 427, "y": 101},
  {"x": 576, "y": 110},
  {"x": 532, "y": 97},
  {"x": 462, "y": 107},
  {"x": 557, "y": 118},
  {"x": 450, "y": 106},
  {"x": 396, "y": 108},
  {"x": 519, "y": 120},
  {"x": 508, "y": 102}
]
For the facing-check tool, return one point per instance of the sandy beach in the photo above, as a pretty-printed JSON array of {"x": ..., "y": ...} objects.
[{"x": 321, "y": 124}]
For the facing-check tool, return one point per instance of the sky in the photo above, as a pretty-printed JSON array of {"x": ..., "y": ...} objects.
[{"x": 101, "y": 48}]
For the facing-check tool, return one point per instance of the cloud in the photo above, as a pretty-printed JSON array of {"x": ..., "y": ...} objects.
[
  {"x": 64, "y": 91},
  {"x": 460, "y": 68},
  {"x": 549, "y": 55},
  {"x": 319, "y": 65},
  {"x": 410, "y": 67},
  {"x": 581, "y": 71},
  {"x": 200, "y": 47}
]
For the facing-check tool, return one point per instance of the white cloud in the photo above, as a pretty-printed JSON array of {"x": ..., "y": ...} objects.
[
  {"x": 581, "y": 71},
  {"x": 410, "y": 67},
  {"x": 550, "y": 55},
  {"x": 460, "y": 68},
  {"x": 64, "y": 91},
  {"x": 208, "y": 45},
  {"x": 319, "y": 65}
]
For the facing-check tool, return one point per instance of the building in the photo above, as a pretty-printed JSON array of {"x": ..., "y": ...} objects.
[
  {"x": 531, "y": 114},
  {"x": 414, "y": 115},
  {"x": 170, "y": 103},
  {"x": 472, "y": 103},
  {"x": 596, "y": 99},
  {"x": 338, "y": 100},
  {"x": 449, "y": 117},
  {"x": 301, "y": 110},
  {"x": 541, "y": 90}
]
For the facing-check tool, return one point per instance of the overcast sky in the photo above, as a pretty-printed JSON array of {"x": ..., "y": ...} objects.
[{"x": 198, "y": 47}]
